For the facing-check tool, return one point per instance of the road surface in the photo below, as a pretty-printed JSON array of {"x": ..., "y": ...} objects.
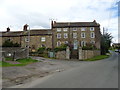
[{"x": 98, "y": 74}]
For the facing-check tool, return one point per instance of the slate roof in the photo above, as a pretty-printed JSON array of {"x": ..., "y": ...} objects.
[
  {"x": 75, "y": 24},
  {"x": 22, "y": 33}
]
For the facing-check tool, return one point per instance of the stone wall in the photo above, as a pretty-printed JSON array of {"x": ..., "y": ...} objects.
[
  {"x": 83, "y": 54},
  {"x": 86, "y": 54},
  {"x": 14, "y": 52},
  {"x": 61, "y": 55}
]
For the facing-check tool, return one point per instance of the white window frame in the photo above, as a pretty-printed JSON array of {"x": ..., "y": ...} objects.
[
  {"x": 58, "y": 35},
  {"x": 82, "y": 35},
  {"x": 65, "y": 29},
  {"x": 92, "y": 35},
  {"x": 74, "y": 35},
  {"x": 58, "y": 43},
  {"x": 92, "y": 28},
  {"x": 66, "y": 42},
  {"x": 43, "y": 39},
  {"x": 26, "y": 39},
  {"x": 83, "y": 29},
  {"x": 92, "y": 42},
  {"x": 74, "y": 29},
  {"x": 65, "y": 35},
  {"x": 58, "y": 29},
  {"x": 83, "y": 43}
]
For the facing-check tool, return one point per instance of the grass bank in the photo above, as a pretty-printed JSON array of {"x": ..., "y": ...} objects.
[
  {"x": 22, "y": 62},
  {"x": 97, "y": 58}
]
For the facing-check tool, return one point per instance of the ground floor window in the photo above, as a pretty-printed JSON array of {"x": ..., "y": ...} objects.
[
  {"x": 83, "y": 43},
  {"x": 58, "y": 43}
]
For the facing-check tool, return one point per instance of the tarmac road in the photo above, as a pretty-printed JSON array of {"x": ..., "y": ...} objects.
[{"x": 99, "y": 74}]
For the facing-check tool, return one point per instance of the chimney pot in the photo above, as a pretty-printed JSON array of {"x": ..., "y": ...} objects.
[
  {"x": 25, "y": 27},
  {"x": 8, "y": 29}
]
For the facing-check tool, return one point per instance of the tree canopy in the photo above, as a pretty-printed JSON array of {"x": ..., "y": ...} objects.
[{"x": 106, "y": 41}]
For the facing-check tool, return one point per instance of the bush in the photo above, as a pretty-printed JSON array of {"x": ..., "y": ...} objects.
[
  {"x": 41, "y": 50},
  {"x": 60, "y": 48},
  {"x": 9, "y": 43},
  {"x": 87, "y": 48}
]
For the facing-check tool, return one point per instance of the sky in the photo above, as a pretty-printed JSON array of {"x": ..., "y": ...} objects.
[{"x": 39, "y": 13}]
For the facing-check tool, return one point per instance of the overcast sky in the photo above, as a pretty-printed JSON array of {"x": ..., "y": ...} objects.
[{"x": 37, "y": 13}]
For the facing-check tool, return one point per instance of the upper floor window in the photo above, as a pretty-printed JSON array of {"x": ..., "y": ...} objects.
[
  {"x": 58, "y": 43},
  {"x": 58, "y": 29},
  {"x": 42, "y": 39},
  {"x": 74, "y": 29},
  {"x": 74, "y": 35},
  {"x": 65, "y": 35},
  {"x": 65, "y": 29},
  {"x": 91, "y": 28},
  {"x": 92, "y": 34},
  {"x": 82, "y": 35},
  {"x": 83, "y": 29},
  {"x": 58, "y": 35}
]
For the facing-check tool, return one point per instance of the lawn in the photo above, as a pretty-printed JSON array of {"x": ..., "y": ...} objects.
[
  {"x": 97, "y": 58},
  {"x": 22, "y": 62}
]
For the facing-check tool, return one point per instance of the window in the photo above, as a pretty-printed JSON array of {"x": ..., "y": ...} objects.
[
  {"x": 83, "y": 43},
  {"x": 74, "y": 35},
  {"x": 65, "y": 29},
  {"x": 74, "y": 29},
  {"x": 83, "y": 29},
  {"x": 58, "y": 43},
  {"x": 42, "y": 39},
  {"x": 42, "y": 45},
  {"x": 91, "y": 28},
  {"x": 82, "y": 35},
  {"x": 66, "y": 42},
  {"x": 65, "y": 35},
  {"x": 26, "y": 40},
  {"x": 92, "y": 35},
  {"x": 58, "y": 35},
  {"x": 58, "y": 29},
  {"x": 92, "y": 42}
]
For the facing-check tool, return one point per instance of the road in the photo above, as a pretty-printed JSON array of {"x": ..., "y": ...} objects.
[{"x": 98, "y": 74}]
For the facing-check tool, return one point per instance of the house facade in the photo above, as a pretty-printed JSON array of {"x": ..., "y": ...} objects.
[
  {"x": 75, "y": 34},
  {"x": 34, "y": 38}
]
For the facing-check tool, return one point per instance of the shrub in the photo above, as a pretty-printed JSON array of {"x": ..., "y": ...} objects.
[
  {"x": 41, "y": 50},
  {"x": 60, "y": 48},
  {"x": 9, "y": 43},
  {"x": 87, "y": 48}
]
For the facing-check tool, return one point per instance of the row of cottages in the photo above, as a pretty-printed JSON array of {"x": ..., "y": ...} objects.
[
  {"x": 71, "y": 33},
  {"x": 37, "y": 37}
]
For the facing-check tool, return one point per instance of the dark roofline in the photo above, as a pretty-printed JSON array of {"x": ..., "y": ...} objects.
[{"x": 75, "y": 24}]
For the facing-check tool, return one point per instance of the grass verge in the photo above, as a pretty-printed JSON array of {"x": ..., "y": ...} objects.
[
  {"x": 22, "y": 62},
  {"x": 97, "y": 58}
]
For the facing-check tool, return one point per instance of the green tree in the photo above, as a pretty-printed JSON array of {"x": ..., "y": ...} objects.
[
  {"x": 9, "y": 43},
  {"x": 106, "y": 41}
]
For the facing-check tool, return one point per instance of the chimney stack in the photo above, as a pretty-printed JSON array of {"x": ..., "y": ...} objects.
[
  {"x": 8, "y": 29},
  {"x": 52, "y": 23},
  {"x": 94, "y": 21},
  {"x": 25, "y": 27}
]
